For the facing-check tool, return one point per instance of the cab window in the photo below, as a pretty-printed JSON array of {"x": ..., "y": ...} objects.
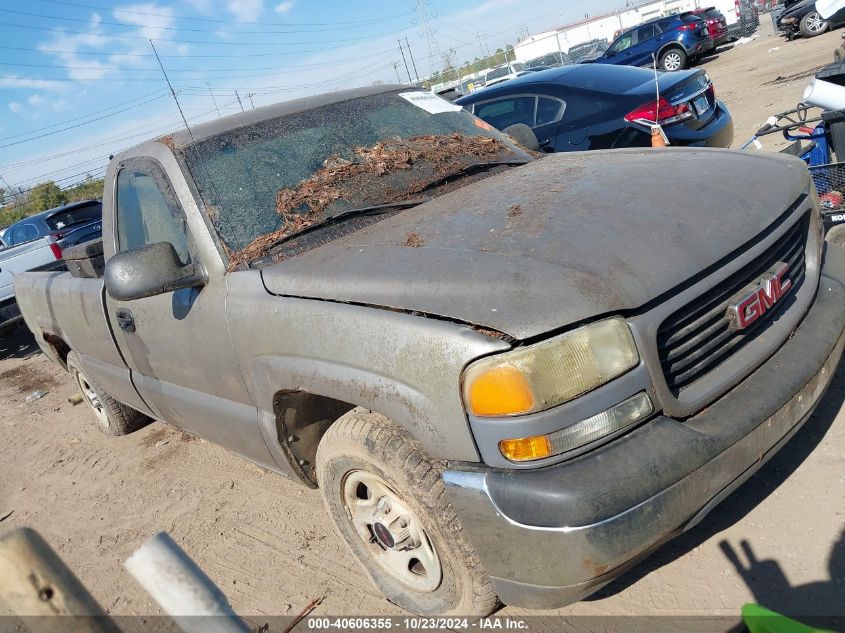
[
  {"x": 148, "y": 211},
  {"x": 624, "y": 42},
  {"x": 503, "y": 113}
]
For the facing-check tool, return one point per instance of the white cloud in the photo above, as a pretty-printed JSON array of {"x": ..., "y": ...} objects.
[
  {"x": 15, "y": 107},
  {"x": 154, "y": 21},
  {"x": 246, "y": 10},
  {"x": 284, "y": 7},
  {"x": 35, "y": 100},
  {"x": 13, "y": 81},
  {"x": 83, "y": 68}
]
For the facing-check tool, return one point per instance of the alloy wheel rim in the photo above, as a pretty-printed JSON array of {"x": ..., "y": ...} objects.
[
  {"x": 391, "y": 531},
  {"x": 815, "y": 23},
  {"x": 672, "y": 61},
  {"x": 92, "y": 399}
]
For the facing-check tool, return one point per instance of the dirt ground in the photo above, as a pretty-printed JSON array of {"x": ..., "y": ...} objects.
[{"x": 268, "y": 543}]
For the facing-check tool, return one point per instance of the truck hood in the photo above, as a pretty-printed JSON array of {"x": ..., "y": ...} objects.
[{"x": 563, "y": 239}]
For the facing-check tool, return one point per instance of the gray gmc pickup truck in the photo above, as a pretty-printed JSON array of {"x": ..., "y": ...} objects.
[{"x": 510, "y": 377}]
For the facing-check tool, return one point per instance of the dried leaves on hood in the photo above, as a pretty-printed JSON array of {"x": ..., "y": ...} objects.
[{"x": 340, "y": 178}]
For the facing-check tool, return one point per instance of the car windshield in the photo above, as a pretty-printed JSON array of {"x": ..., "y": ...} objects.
[
  {"x": 63, "y": 219},
  {"x": 497, "y": 73},
  {"x": 268, "y": 180}
]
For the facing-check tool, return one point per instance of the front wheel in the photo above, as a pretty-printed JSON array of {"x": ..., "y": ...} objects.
[
  {"x": 813, "y": 24},
  {"x": 389, "y": 504},
  {"x": 673, "y": 59}
]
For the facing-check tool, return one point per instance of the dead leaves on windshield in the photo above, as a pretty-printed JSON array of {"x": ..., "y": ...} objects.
[{"x": 340, "y": 178}]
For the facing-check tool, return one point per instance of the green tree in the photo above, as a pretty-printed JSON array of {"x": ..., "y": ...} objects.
[{"x": 46, "y": 195}]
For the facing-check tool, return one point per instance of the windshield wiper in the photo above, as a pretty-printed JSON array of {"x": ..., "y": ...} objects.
[
  {"x": 471, "y": 169},
  {"x": 376, "y": 209}
]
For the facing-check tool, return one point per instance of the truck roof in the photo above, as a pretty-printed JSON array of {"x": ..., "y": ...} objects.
[{"x": 203, "y": 131}]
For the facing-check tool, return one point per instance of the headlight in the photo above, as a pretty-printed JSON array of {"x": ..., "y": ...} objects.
[{"x": 541, "y": 376}]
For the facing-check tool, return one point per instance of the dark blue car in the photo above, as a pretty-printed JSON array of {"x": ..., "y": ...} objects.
[
  {"x": 586, "y": 107},
  {"x": 674, "y": 41},
  {"x": 70, "y": 225}
]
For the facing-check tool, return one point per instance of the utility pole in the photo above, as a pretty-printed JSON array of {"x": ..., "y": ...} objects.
[
  {"x": 9, "y": 190},
  {"x": 250, "y": 95},
  {"x": 411, "y": 55},
  {"x": 402, "y": 50},
  {"x": 240, "y": 103},
  {"x": 395, "y": 65},
  {"x": 213, "y": 99},
  {"x": 428, "y": 30}
]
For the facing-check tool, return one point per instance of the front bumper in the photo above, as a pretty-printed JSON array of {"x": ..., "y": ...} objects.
[{"x": 626, "y": 498}]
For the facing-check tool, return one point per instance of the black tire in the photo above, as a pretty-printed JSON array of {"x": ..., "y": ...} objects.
[
  {"x": 673, "y": 59},
  {"x": 113, "y": 418},
  {"x": 365, "y": 446},
  {"x": 812, "y": 24}
]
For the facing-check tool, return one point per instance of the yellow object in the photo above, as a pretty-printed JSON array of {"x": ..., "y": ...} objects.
[
  {"x": 526, "y": 448},
  {"x": 500, "y": 390}
]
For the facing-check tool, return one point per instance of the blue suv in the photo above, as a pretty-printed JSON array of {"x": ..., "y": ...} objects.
[{"x": 674, "y": 41}]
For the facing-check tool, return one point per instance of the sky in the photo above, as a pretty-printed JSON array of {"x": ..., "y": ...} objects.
[{"x": 79, "y": 80}]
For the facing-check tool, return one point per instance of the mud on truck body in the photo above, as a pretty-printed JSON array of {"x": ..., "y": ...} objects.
[{"x": 510, "y": 377}]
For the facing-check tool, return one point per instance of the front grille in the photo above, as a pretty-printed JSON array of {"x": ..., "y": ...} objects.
[{"x": 697, "y": 338}]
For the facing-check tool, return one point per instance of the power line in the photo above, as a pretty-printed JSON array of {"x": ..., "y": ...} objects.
[
  {"x": 151, "y": 56},
  {"x": 82, "y": 116},
  {"x": 214, "y": 42},
  {"x": 71, "y": 127},
  {"x": 198, "y": 70},
  {"x": 187, "y": 29},
  {"x": 215, "y": 20}
]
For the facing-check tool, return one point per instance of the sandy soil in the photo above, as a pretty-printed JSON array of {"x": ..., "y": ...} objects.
[{"x": 268, "y": 543}]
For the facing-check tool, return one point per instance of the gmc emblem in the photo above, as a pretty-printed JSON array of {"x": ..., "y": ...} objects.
[{"x": 753, "y": 303}]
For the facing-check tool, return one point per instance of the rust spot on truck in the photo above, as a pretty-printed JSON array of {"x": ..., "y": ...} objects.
[{"x": 591, "y": 567}]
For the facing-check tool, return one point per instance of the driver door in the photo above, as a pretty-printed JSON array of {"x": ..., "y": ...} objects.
[{"x": 177, "y": 344}]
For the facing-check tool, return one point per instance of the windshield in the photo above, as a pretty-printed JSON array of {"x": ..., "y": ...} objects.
[
  {"x": 277, "y": 177},
  {"x": 497, "y": 73},
  {"x": 63, "y": 219}
]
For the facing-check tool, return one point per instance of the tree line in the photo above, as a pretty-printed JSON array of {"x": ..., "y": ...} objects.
[{"x": 45, "y": 195}]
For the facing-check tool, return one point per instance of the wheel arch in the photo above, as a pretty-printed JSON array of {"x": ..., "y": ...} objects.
[{"x": 299, "y": 399}]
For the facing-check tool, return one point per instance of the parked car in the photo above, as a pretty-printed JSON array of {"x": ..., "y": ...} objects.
[
  {"x": 489, "y": 378},
  {"x": 69, "y": 224},
  {"x": 802, "y": 18},
  {"x": 717, "y": 25},
  {"x": 501, "y": 73},
  {"x": 548, "y": 61},
  {"x": 587, "y": 51},
  {"x": 37, "y": 242},
  {"x": 586, "y": 107},
  {"x": 741, "y": 16},
  {"x": 674, "y": 42},
  {"x": 39, "y": 254}
]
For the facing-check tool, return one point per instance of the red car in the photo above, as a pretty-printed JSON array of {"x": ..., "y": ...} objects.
[{"x": 717, "y": 25}]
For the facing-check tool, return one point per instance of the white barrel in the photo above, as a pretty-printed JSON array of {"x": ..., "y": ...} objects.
[{"x": 825, "y": 95}]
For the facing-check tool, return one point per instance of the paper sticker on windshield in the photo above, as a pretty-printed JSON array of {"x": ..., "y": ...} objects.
[{"x": 429, "y": 102}]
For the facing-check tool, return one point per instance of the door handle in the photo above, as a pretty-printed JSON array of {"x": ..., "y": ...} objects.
[{"x": 125, "y": 320}]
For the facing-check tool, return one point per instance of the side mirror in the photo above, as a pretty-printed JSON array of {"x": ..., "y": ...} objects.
[
  {"x": 523, "y": 135},
  {"x": 609, "y": 52},
  {"x": 148, "y": 271}
]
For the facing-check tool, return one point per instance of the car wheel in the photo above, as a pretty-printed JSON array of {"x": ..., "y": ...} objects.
[
  {"x": 673, "y": 59},
  {"x": 813, "y": 24},
  {"x": 113, "y": 417},
  {"x": 389, "y": 504}
]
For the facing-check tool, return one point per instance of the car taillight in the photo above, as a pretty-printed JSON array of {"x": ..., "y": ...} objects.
[
  {"x": 688, "y": 26},
  {"x": 57, "y": 250},
  {"x": 661, "y": 112},
  {"x": 737, "y": 7}
]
